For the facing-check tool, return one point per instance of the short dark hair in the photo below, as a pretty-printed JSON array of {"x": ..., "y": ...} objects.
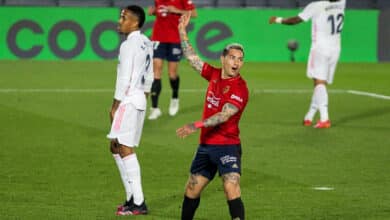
[
  {"x": 228, "y": 47},
  {"x": 139, "y": 13}
]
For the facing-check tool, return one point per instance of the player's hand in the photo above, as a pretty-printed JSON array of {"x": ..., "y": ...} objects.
[
  {"x": 184, "y": 20},
  {"x": 151, "y": 10},
  {"x": 272, "y": 20},
  {"x": 185, "y": 130}
]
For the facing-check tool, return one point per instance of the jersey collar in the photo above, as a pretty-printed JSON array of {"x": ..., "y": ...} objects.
[{"x": 138, "y": 32}]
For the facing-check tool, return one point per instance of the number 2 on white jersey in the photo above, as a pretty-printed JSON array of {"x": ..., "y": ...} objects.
[{"x": 147, "y": 67}]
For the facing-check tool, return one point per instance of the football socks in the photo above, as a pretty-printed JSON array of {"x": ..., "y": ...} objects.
[
  {"x": 189, "y": 207},
  {"x": 155, "y": 93},
  {"x": 236, "y": 209},
  {"x": 175, "y": 87},
  {"x": 123, "y": 174},
  {"x": 322, "y": 101},
  {"x": 312, "y": 109},
  {"x": 134, "y": 173}
]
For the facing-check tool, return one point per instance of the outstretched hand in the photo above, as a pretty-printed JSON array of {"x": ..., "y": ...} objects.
[
  {"x": 272, "y": 20},
  {"x": 184, "y": 20},
  {"x": 185, "y": 130}
]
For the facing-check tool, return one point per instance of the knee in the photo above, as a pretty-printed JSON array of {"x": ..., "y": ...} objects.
[
  {"x": 231, "y": 183},
  {"x": 191, "y": 192},
  {"x": 193, "y": 187},
  {"x": 125, "y": 151},
  {"x": 319, "y": 81},
  {"x": 232, "y": 192}
]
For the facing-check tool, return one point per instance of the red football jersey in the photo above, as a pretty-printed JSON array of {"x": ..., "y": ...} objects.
[
  {"x": 165, "y": 26},
  {"x": 219, "y": 92}
]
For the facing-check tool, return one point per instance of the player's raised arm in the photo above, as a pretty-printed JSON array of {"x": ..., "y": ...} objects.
[
  {"x": 287, "y": 21},
  {"x": 174, "y": 10},
  {"x": 188, "y": 50}
]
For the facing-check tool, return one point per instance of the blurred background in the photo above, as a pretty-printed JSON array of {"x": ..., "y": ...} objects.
[
  {"x": 355, "y": 4},
  {"x": 86, "y": 29}
]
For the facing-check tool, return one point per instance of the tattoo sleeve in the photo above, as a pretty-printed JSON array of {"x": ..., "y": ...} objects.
[
  {"x": 233, "y": 178},
  {"x": 189, "y": 52},
  {"x": 228, "y": 110}
]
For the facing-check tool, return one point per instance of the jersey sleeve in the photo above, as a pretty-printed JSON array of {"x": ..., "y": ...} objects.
[
  {"x": 239, "y": 96},
  {"x": 188, "y": 5},
  {"x": 308, "y": 12},
  {"x": 207, "y": 71},
  {"x": 124, "y": 72}
]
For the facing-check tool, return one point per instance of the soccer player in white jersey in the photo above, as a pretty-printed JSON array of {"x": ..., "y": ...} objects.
[
  {"x": 133, "y": 83},
  {"x": 327, "y": 23}
]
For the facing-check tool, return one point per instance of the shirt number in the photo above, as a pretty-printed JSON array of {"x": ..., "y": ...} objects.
[
  {"x": 147, "y": 63},
  {"x": 147, "y": 66},
  {"x": 336, "y": 23}
]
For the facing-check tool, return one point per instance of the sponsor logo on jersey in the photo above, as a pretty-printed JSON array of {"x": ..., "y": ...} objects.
[
  {"x": 212, "y": 100},
  {"x": 235, "y": 97}
]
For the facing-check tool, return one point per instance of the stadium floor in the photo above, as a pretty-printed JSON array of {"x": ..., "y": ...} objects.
[{"x": 55, "y": 161}]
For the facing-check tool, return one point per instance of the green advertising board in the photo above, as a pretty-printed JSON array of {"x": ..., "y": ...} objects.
[{"x": 53, "y": 33}]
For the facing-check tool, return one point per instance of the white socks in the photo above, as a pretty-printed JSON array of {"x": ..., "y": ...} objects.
[
  {"x": 319, "y": 102},
  {"x": 322, "y": 101},
  {"x": 312, "y": 109},
  {"x": 122, "y": 172},
  {"x": 133, "y": 172}
]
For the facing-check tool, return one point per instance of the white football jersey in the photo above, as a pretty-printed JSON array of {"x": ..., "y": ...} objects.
[
  {"x": 134, "y": 70},
  {"x": 327, "y": 23}
]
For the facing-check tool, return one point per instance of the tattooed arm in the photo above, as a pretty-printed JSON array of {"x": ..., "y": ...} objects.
[
  {"x": 228, "y": 110},
  {"x": 188, "y": 50}
]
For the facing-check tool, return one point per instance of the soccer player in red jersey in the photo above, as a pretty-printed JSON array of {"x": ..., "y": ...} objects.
[
  {"x": 220, "y": 146},
  {"x": 167, "y": 47}
]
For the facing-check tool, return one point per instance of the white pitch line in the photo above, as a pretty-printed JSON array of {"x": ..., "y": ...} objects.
[
  {"x": 323, "y": 188},
  {"x": 54, "y": 90},
  {"x": 374, "y": 95},
  {"x": 294, "y": 91},
  {"x": 256, "y": 91}
]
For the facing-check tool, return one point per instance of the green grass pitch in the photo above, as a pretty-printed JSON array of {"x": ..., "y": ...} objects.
[{"x": 55, "y": 161}]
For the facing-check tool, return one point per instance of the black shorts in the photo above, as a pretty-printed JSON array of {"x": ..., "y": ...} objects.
[
  {"x": 167, "y": 51},
  {"x": 210, "y": 158}
]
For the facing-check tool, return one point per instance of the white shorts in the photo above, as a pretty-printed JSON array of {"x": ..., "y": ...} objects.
[
  {"x": 127, "y": 125},
  {"x": 321, "y": 66}
]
